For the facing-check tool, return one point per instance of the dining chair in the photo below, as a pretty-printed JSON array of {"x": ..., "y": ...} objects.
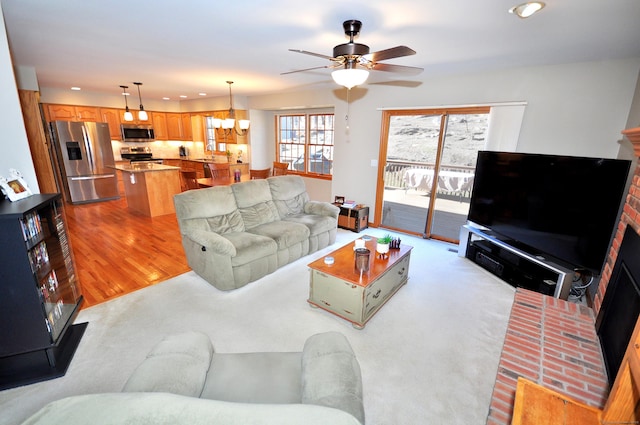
[
  {"x": 280, "y": 168},
  {"x": 189, "y": 179},
  {"x": 219, "y": 169},
  {"x": 260, "y": 174}
]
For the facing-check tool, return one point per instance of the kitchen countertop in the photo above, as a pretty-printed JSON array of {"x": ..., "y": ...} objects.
[{"x": 144, "y": 167}]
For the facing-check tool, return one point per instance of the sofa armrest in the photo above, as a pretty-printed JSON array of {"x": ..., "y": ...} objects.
[
  {"x": 213, "y": 241},
  {"x": 331, "y": 374},
  {"x": 321, "y": 208},
  {"x": 178, "y": 364}
]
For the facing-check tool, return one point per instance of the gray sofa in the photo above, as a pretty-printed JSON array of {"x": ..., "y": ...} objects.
[
  {"x": 233, "y": 235},
  {"x": 183, "y": 381}
]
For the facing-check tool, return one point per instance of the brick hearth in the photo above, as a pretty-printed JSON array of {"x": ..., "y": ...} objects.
[{"x": 553, "y": 342}]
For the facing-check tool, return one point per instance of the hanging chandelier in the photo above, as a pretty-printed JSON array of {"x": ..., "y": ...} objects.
[{"x": 229, "y": 123}]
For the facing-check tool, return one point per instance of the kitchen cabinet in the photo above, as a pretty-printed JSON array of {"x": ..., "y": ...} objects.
[
  {"x": 160, "y": 125},
  {"x": 174, "y": 126},
  {"x": 197, "y": 128},
  {"x": 172, "y": 162},
  {"x": 112, "y": 118},
  {"x": 149, "y": 188},
  {"x": 178, "y": 126},
  {"x": 197, "y": 166},
  {"x": 72, "y": 113},
  {"x": 187, "y": 133},
  {"x": 39, "y": 291}
]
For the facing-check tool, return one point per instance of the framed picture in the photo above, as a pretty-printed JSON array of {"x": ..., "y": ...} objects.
[
  {"x": 15, "y": 188},
  {"x": 339, "y": 200}
]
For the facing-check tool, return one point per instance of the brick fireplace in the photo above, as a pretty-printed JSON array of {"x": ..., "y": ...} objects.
[{"x": 554, "y": 342}]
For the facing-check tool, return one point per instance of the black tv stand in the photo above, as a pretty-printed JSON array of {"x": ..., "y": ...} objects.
[{"x": 515, "y": 266}]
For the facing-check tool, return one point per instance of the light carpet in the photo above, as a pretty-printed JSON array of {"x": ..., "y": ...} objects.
[{"x": 429, "y": 356}]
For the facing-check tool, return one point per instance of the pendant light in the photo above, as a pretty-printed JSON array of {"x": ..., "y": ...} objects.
[
  {"x": 229, "y": 123},
  {"x": 128, "y": 116},
  {"x": 142, "y": 114}
]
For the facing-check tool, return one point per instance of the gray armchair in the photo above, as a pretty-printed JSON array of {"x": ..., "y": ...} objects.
[{"x": 326, "y": 373}]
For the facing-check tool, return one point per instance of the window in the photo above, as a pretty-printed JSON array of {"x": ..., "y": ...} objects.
[
  {"x": 305, "y": 142},
  {"x": 210, "y": 135}
]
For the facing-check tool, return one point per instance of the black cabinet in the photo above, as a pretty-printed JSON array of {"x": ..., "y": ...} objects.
[
  {"x": 516, "y": 267},
  {"x": 39, "y": 291},
  {"x": 354, "y": 219}
]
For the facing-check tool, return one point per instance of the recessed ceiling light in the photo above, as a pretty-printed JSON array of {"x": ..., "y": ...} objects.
[
  {"x": 202, "y": 94},
  {"x": 183, "y": 96},
  {"x": 525, "y": 10},
  {"x": 166, "y": 98},
  {"x": 76, "y": 88}
]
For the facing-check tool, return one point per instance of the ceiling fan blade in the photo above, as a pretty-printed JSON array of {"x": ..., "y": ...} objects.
[
  {"x": 394, "y": 52},
  {"x": 319, "y": 55},
  {"x": 306, "y": 69},
  {"x": 407, "y": 70}
]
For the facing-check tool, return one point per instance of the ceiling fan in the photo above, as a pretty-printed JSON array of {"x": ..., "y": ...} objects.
[{"x": 353, "y": 60}]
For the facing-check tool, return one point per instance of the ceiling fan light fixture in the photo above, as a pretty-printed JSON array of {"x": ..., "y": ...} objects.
[
  {"x": 525, "y": 10},
  {"x": 350, "y": 77}
]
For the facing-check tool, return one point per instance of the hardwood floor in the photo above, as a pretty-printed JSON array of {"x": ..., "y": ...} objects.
[{"x": 117, "y": 251}]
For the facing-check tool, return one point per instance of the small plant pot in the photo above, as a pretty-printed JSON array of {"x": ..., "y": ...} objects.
[{"x": 382, "y": 249}]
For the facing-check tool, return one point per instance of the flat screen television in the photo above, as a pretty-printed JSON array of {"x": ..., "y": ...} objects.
[{"x": 561, "y": 207}]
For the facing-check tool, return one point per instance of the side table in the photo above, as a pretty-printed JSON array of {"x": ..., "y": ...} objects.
[{"x": 355, "y": 219}]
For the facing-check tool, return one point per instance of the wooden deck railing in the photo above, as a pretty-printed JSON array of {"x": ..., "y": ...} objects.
[{"x": 395, "y": 171}]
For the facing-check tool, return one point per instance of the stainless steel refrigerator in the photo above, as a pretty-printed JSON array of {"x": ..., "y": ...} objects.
[{"x": 85, "y": 157}]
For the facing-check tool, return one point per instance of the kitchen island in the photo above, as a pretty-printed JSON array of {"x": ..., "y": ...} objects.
[{"x": 149, "y": 187}]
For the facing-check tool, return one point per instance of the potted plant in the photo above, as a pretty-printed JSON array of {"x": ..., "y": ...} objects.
[
  {"x": 382, "y": 247},
  {"x": 228, "y": 152}
]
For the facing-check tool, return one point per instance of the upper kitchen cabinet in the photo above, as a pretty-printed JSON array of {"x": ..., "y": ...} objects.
[
  {"x": 55, "y": 112},
  {"x": 187, "y": 133},
  {"x": 174, "y": 126},
  {"x": 160, "y": 125},
  {"x": 178, "y": 126},
  {"x": 112, "y": 117},
  {"x": 197, "y": 128}
]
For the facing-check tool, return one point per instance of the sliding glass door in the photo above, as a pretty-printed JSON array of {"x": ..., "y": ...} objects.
[{"x": 429, "y": 161}]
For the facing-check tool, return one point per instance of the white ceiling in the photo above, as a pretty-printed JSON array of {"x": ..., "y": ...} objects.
[{"x": 186, "y": 47}]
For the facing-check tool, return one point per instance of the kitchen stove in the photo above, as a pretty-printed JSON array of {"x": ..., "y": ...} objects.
[{"x": 139, "y": 154}]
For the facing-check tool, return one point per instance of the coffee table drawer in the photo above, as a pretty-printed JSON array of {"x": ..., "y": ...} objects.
[
  {"x": 336, "y": 295},
  {"x": 383, "y": 288}
]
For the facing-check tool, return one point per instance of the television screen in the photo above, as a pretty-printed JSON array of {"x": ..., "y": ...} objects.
[{"x": 550, "y": 206}]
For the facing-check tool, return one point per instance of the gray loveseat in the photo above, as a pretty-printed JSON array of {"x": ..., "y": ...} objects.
[
  {"x": 183, "y": 381},
  {"x": 233, "y": 235}
]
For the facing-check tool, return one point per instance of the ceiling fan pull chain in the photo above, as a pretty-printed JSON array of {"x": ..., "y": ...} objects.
[{"x": 346, "y": 117}]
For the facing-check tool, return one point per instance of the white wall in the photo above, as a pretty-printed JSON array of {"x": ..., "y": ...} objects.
[
  {"x": 13, "y": 136},
  {"x": 572, "y": 109}
]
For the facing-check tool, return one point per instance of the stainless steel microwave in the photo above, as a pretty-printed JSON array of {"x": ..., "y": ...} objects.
[{"x": 137, "y": 133}]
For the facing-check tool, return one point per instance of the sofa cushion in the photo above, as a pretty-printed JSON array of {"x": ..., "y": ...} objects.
[
  {"x": 178, "y": 364},
  {"x": 249, "y": 247},
  {"x": 254, "y": 203},
  {"x": 255, "y": 378},
  {"x": 213, "y": 209},
  {"x": 284, "y": 233},
  {"x": 315, "y": 223},
  {"x": 289, "y": 194}
]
